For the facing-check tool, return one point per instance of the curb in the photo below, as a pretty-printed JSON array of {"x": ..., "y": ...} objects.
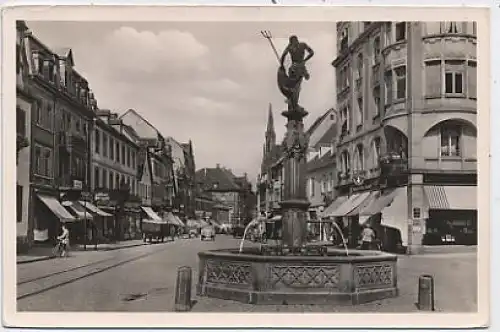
[{"x": 46, "y": 258}]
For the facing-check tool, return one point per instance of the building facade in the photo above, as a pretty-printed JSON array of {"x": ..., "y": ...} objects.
[
  {"x": 406, "y": 152},
  {"x": 24, "y": 100}
]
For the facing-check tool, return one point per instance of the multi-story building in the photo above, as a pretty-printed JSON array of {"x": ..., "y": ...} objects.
[
  {"x": 155, "y": 165},
  {"x": 24, "y": 100},
  {"x": 406, "y": 94},
  {"x": 222, "y": 186},
  {"x": 62, "y": 115},
  {"x": 189, "y": 182},
  {"x": 114, "y": 174}
]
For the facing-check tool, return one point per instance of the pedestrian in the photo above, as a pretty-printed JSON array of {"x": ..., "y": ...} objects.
[
  {"x": 367, "y": 237},
  {"x": 64, "y": 240}
]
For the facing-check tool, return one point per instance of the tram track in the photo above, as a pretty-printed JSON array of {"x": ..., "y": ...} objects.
[{"x": 35, "y": 286}]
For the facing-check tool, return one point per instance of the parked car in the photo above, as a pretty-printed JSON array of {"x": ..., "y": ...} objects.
[
  {"x": 238, "y": 230},
  {"x": 208, "y": 232}
]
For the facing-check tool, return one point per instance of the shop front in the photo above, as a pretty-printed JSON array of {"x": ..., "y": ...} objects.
[
  {"x": 452, "y": 215},
  {"x": 99, "y": 219},
  {"x": 133, "y": 211},
  {"x": 107, "y": 228},
  {"x": 48, "y": 214}
]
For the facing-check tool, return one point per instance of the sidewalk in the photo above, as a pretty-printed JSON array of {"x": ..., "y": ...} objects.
[{"x": 44, "y": 253}]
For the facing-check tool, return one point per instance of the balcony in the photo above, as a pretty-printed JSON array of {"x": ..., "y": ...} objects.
[{"x": 393, "y": 164}]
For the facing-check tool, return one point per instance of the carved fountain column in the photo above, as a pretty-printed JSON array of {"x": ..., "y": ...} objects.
[{"x": 295, "y": 203}]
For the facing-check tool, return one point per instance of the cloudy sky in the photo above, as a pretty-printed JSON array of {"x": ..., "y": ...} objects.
[{"x": 208, "y": 82}]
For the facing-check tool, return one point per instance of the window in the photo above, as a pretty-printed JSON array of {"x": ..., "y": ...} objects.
[
  {"x": 104, "y": 182},
  {"x": 359, "y": 64},
  {"x": 111, "y": 148},
  {"x": 360, "y": 113},
  {"x": 124, "y": 157},
  {"x": 450, "y": 140},
  {"x": 388, "y": 33},
  {"x": 400, "y": 74},
  {"x": 359, "y": 162},
  {"x": 104, "y": 145},
  {"x": 311, "y": 187},
  {"x": 117, "y": 151},
  {"x": 454, "y": 77},
  {"x": 376, "y": 100},
  {"x": 117, "y": 181},
  {"x": 388, "y": 87},
  {"x": 376, "y": 151},
  {"x": 323, "y": 185},
  {"x": 472, "y": 80},
  {"x": 128, "y": 156},
  {"x": 43, "y": 161},
  {"x": 97, "y": 180},
  {"x": 133, "y": 160},
  {"x": 433, "y": 79},
  {"x": 344, "y": 161},
  {"x": 97, "y": 141},
  {"x": 344, "y": 40},
  {"x": 111, "y": 180},
  {"x": 20, "y": 122},
  {"x": 376, "y": 50},
  {"x": 19, "y": 203},
  {"x": 78, "y": 126},
  {"x": 452, "y": 27},
  {"x": 400, "y": 31},
  {"x": 51, "y": 71}
]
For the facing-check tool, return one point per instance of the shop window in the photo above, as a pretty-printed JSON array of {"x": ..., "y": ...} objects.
[
  {"x": 450, "y": 140},
  {"x": 400, "y": 31},
  {"x": 19, "y": 203}
]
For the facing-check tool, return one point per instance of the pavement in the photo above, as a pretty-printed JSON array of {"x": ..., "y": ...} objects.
[
  {"x": 142, "y": 279},
  {"x": 42, "y": 253}
]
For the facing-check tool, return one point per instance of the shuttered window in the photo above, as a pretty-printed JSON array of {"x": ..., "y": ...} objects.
[{"x": 433, "y": 80}]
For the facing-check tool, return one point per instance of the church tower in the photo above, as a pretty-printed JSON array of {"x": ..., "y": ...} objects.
[{"x": 270, "y": 133}]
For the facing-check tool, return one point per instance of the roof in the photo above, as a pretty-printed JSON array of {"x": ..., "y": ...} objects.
[
  {"x": 317, "y": 122},
  {"x": 317, "y": 162},
  {"x": 143, "y": 127},
  {"x": 217, "y": 179},
  {"x": 329, "y": 135}
]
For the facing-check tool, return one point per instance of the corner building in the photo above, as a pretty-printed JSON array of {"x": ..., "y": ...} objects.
[{"x": 406, "y": 94}]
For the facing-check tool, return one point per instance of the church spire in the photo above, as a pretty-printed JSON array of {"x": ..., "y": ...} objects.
[{"x": 270, "y": 133}]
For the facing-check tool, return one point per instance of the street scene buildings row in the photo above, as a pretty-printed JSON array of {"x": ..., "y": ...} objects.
[
  {"x": 99, "y": 170},
  {"x": 398, "y": 151}
]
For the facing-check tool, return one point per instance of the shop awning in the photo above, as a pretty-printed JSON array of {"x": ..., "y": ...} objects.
[
  {"x": 277, "y": 218},
  {"x": 78, "y": 209},
  {"x": 92, "y": 208},
  {"x": 372, "y": 196},
  {"x": 151, "y": 214},
  {"x": 333, "y": 206},
  {"x": 53, "y": 204},
  {"x": 179, "y": 221},
  {"x": 171, "y": 219},
  {"x": 395, "y": 215},
  {"x": 377, "y": 205},
  {"x": 353, "y": 202},
  {"x": 451, "y": 197}
]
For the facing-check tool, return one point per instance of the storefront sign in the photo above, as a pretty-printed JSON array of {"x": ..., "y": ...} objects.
[{"x": 77, "y": 184}]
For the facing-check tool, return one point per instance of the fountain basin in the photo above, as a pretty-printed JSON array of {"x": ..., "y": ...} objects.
[{"x": 331, "y": 278}]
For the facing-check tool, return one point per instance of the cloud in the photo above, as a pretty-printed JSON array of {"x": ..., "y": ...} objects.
[{"x": 209, "y": 83}]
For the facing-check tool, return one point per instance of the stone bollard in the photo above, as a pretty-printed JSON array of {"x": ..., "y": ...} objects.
[
  {"x": 183, "y": 289},
  {"x": 426, "y": 293}
]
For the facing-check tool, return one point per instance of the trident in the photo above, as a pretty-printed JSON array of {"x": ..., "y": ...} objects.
[{"x": 267, "y": 34}]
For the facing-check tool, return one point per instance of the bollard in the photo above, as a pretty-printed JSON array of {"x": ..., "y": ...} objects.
[
  {"x": 426, "y": 293},
  {"x": 183, "y": 289}
]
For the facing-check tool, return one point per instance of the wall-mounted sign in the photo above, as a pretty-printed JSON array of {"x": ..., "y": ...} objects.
[{"x": 77, "y": 184}]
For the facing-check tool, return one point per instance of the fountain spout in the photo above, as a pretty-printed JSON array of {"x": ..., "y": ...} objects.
[
  {"x": 252, "y": 223},
  {"x": 344, "y": 242}
]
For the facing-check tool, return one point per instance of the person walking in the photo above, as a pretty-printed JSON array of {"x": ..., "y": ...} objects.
[{"x": 367, "y": 237}]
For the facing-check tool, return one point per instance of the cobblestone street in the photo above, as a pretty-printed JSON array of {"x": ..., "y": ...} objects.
[{"x": 142, "y": 279}]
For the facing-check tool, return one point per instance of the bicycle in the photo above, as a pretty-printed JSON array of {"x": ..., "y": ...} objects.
[{"x": 58, "y": 249}]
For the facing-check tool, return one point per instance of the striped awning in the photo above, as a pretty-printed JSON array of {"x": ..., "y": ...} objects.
[
  {"x": 78, "y": 210},
  {"x": 353, "y": 202},
  {"x": 151, "y": 214},
  {"x": 53, "y": 204},
  {"x": 92, "y": 208},
  {"x": 436, "y": 197},
  {"x": 451, "y": 197},
  {"x": 379, "y": 204},
  {"x": 333, "y": 206},
  {"x": 367, "y": 201}
]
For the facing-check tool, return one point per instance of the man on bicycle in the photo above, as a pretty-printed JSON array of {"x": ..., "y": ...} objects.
[{"x": 64, "y": 240}]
